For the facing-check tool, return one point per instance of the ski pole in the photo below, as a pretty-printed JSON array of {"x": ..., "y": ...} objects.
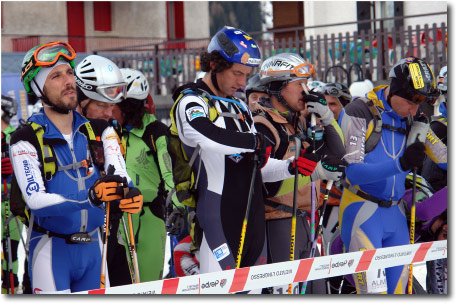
[
  {"x": 172, "y": 244},
  {"x": 412, "y": 230},
  {"x": 22, "y": 238},
  {"x": 9, "y": 263},
  {"x": 130, "y": 250},
  {"x": 132, "y": 237},
  {"x": 313, "y": 123},
  {"x": 313, "y": 191},
  {"x": 246, "y": 217},
  {"x": 295, "y": 206},
  {"x": 133, "y": 245},
  {"x": 418, "y": 132},
  {"x": 110, "y": 171},
  {"x": 319, "y": 228}
]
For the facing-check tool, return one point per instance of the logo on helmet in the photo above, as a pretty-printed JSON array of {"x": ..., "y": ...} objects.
[
  {"x": 416, "y": 75},
  {"x": 81, "y": 84},
  {"x": 26, "y": 68},
  {"x": 243, "y": 44},
  {"x": 245, "y": 58}
]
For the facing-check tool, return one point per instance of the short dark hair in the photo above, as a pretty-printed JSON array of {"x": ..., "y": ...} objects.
[
  {"x": 133, "y": 111},
  {"x": 220, "y": 63}
]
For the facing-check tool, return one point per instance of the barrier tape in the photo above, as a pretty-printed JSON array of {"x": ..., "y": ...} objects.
[{"x": 257, "y": 277}]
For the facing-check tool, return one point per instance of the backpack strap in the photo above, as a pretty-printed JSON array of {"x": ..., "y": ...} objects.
[
  {"x": 263, "y": 120},
  {"x": 48, "y": 158}
]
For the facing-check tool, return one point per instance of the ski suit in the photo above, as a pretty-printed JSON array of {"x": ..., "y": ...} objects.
[
  {"x": 225, "y": 165},
  {"x": 279, "y": 200},
  {"x": 146, "y": 174},
  {"x": 364, "y": 224},
  {"x": 60, "y": 204},
  {"x": 14, "y": 232}
]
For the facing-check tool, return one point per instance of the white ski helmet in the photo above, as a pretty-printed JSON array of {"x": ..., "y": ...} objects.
[
  {"x": 442, "y": 85},
  {"x": 137, "y": 85},
  {"x": 285, "y": 67},
  {"x": 100, "y": 79},
  {"x": 361, "y": 88}
]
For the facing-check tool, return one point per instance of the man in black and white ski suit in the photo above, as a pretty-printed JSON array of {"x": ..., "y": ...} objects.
[{"x": 226, "y": 158}]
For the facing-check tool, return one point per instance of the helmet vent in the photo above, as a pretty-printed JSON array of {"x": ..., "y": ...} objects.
[
  {"x": 227, "y": 45},
  {"x": 85, "y": 65},
  {"x": 87, "y": 71},
  {"x": 129, "y": 85}
]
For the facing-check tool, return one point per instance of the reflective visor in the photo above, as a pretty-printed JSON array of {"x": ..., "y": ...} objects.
[
  {"x": 48, "y": 54},
  {"x": 113, "y": 92},
  {"x": 420, "y": 99}
]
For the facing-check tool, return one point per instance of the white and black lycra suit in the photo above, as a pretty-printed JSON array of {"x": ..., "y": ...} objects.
[{"x": 226, "y": 155}]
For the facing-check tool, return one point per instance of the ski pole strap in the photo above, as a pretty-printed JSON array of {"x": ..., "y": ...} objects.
[
  {"x": 288, "y": 209},
  {"x": 366, "y": 196}
]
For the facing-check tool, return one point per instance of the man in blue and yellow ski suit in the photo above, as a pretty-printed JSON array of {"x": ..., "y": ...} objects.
[{"x": 370, "y": 213}]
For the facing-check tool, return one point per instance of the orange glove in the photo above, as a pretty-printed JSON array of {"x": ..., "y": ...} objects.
[
  {"x": 133, "y": 201},
  {"x": 105, "y": 189}
]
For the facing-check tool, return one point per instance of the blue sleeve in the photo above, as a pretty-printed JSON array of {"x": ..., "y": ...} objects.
[{"x": 363, "y": 173}]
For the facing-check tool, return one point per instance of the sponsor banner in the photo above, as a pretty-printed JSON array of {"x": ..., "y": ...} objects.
[{"x": 256, "y": 277}]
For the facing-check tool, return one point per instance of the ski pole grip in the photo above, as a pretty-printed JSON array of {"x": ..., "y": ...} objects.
[
  {"x": 418, "y": 130},
  {"x": 304, "y": 87},
  {"x": 329, "y": 184},
  {"x": 313, "y": 120}
]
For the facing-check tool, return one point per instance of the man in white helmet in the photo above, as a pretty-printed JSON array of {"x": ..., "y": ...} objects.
[
  {"x": 279, "y": 118},
  {"x": 100, "y": 86},
  {"x": 57, "y": 161}
]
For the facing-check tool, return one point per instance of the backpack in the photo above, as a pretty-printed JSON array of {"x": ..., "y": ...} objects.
[
  {"x": 34, "y": 132},
  {"x": 183, "y": 176}
]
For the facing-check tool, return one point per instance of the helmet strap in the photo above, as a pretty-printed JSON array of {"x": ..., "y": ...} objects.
[
  {"x": 214, "y": 80},
  {"x": 278, "y": 95},
  {"x": 48, "y": 102},
  {"x": 84, "y": 109}
]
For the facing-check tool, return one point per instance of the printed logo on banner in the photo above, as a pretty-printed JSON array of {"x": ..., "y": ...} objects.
[
  {"x": 350, "y": 262},
  {"x": 270, "y": 274},
  {"x": 393, "y": 255},
  {"x": 215, "y": 283},
  {"x": 191, "y": 287},
  {"x": 195, "y": 112},
  {"x": 221, "y": 252}
]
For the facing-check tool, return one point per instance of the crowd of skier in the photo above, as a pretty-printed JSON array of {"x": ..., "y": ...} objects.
[{"x": 100, "y": 183}]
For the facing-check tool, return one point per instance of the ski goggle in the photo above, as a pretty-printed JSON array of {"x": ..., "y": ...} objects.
[
  {"x": 48, "y": 54},
  {"x": 113, "y": 92},
  {"x": 336, "y": 92},
  {"x": 418, "y": 98},
  {"x": 304, "y": 70}
]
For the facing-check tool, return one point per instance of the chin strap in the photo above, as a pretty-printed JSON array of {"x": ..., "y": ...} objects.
[
  {"x": 51, "y": 106},
  {"x": 214, "y": 80}
]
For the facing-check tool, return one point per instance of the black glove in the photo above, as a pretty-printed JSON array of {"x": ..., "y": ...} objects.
[
  {"x": 305, "y": 164},
  {"x": 263, "y": 149},
  {"x": 316, "y": 103},
  {"x": 413, "y": 156},
  {"x": 175, "y": 222},
  {"x": 105, "y": 189},
  {"x": 329, "y": 168}
]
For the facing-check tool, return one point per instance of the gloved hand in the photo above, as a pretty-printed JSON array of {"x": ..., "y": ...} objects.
[
  {"x": 316, "y": 103},
  {"x": 262, "y": 150},
  {"x": 413, "y": 156},
  {"x": 133, "y": 201},
  {"x": 175, "y": 223},
  {"x": 7, "y": 167},
  {"x": 105, "y": 189},
  {"x": 305, "y": 164},
  {"x": 329, "y": 168}
]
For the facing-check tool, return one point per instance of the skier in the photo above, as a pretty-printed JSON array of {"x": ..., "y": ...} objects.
[
  {"x": 279, "y": 117},
  {"x": 254, "y": 90},
  {"x": 371, "y": 215},
  {"x": 65, "y": 197}
]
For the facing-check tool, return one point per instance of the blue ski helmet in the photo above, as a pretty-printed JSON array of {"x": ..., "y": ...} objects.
[{"x": 235, "y": 46}]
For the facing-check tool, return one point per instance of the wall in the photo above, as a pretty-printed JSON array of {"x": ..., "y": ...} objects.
[
  {"x": 325, "y": 12},
  {"x": 196, "y": 15},
  {"x": 34, "y": 18},
  {"x": 421, "y": 7}
]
